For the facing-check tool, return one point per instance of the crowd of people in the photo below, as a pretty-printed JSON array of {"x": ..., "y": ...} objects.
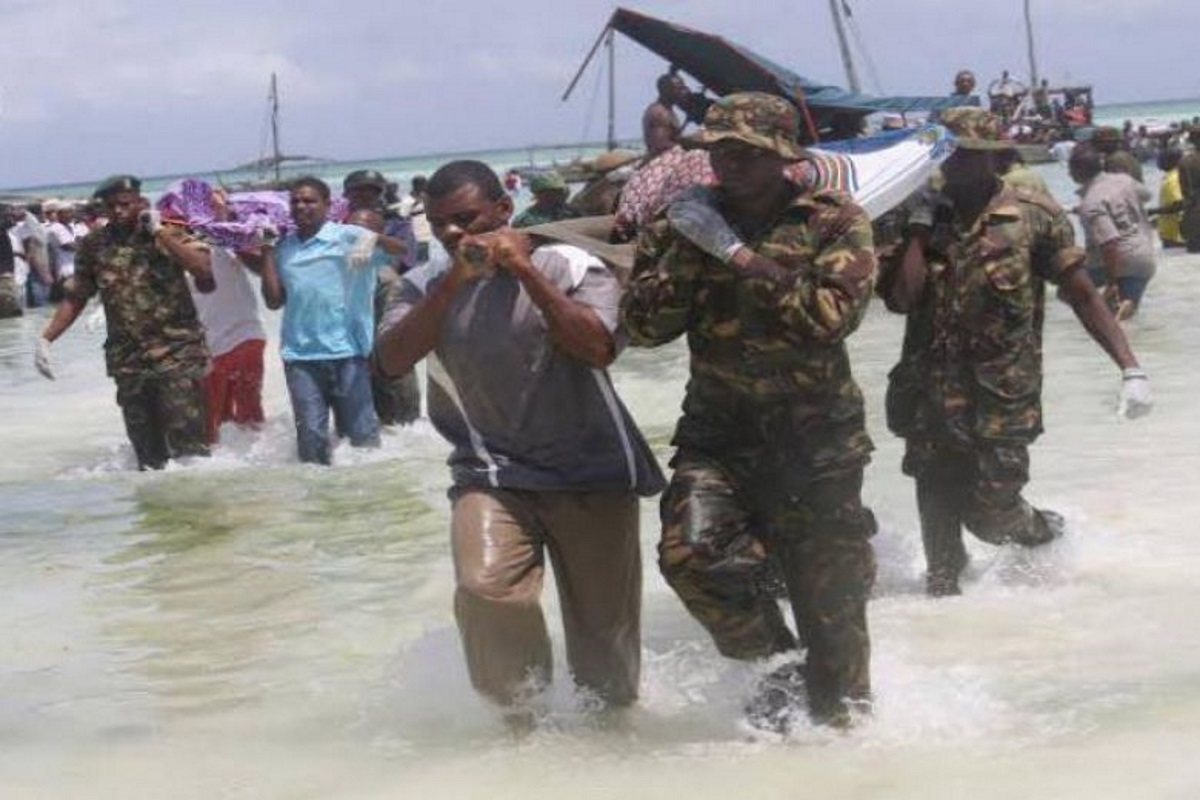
[{"x": 765, "y": 276}]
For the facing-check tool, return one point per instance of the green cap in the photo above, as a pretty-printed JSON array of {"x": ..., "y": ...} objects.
[
  {"x": 548, "y": 181},
  {"x": 364, "y": 177},
  {"x": 976, "y": 129},
  {"x": 1106, "y": 134},
  {"x": 117, "y": 183},
  {"x": 756, "y": 118}
]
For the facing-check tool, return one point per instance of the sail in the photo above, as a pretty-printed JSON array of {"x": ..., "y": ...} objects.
[{"x": 723, "y": 66}]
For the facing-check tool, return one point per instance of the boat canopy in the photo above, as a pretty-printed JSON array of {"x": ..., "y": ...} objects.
[{"x": 722, "y": 66}]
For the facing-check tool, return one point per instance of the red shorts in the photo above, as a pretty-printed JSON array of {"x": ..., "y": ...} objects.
[{"x": 234, "y": 387}]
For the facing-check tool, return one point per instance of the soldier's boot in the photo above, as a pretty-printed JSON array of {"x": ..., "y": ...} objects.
[
  {"x": 1047, "y": 526},
  {"x": 777, "y": 699},
  {"x": 942, "y": 537}
]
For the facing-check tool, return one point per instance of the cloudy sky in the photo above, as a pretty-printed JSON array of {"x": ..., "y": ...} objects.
[{"x": 91, "y": 88}]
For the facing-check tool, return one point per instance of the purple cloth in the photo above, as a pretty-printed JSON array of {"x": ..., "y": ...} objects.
[{"x": 190, "y": 199}]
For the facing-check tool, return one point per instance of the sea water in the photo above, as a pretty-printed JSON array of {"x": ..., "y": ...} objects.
[{"x": 249, "y": 627}]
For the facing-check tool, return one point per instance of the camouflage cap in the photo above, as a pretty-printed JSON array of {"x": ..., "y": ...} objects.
[
  {"x": 547, "y": 181},
  {"x": 364, "y": 177},
  {"x": 756, "y": 118},
  {"x": 116, "y": 183},
  {"x": 976, "y": 129},
  {"x": 1106, "y": 135}
]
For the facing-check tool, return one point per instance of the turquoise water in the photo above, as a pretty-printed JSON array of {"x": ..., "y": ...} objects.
[{"x": 402, "y": 168}]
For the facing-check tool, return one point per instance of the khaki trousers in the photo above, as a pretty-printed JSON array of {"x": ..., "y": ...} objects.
[{"x": 500, "y": 540}]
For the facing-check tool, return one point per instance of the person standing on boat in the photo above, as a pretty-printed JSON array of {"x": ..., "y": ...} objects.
[
  {"x": 549, "y": 201},
  {"x": 660, "y": 125},
  {"x": 155, "y": 351},
  {"x": 324, "y": 276},
  {"x": 1116, "y": 230},
  {"x": 970, "y": 274},
  {"x": 397, "y": 400},
  {"x": 546, "y": 459},
  {"x": 766, "y": 278}
]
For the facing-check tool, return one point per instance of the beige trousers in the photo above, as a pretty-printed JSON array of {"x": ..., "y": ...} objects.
[{"x": 500, "y": 540}]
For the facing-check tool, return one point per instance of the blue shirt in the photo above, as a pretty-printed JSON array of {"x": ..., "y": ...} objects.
[{"x": 328, "y": 311}]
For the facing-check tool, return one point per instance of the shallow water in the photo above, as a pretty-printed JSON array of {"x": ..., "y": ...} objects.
[{"x": 249, "y": 627}]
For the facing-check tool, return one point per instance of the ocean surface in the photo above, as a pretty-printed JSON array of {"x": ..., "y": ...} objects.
[{"x": 248, "y": 627}]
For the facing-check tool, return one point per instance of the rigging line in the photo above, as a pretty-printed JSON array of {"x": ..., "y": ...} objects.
[
  {"x": 591, "y": 106},
  {"x": 856, "y": 32}
]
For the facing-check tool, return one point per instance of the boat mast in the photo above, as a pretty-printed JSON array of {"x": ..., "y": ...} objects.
[
  {"x": 1033, "y": 70},
  {"x": 611, "y": 44},
  {"x": 276, "y": 155},
  {"x": 844, "y": 46}
]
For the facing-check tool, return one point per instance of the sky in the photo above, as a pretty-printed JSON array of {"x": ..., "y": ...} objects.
[{"x": 90, "y": 89}]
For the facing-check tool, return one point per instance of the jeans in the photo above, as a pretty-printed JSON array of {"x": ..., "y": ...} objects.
[
  {"x": 340, "y": 384},
  {"x": 1130, "y": 287}
]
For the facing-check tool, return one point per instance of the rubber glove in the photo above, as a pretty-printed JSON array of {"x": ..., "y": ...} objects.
[
  {"x": 41, "y": 357},
  {"x": 362, "y": 250},
  {"x": 694, "y": 218},
  {"x": 151, "y": 221},
  {"x": 1135, "y": 394}
]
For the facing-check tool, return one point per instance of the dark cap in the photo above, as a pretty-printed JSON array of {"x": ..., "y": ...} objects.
[
  {"x": 116, "y": 183},
  {"x": 364, "y": 177}
]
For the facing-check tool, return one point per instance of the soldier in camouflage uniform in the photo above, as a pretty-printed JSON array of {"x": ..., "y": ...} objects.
[
  {"x": 767, "y": 279},
  {"x": 970, "y": 274},
  {"x": 155, "y": 349}
]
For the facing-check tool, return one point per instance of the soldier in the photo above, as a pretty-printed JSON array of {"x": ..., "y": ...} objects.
[
  {"x": 966, "y": 395},
  {"x": 1189, "y": 186},
  {"x": 550, "y": 193},
  {"x": 155, "y": 349},
  {"x": 766, "y": 278}
]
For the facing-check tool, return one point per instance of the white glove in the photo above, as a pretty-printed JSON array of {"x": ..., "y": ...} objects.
[
  {"x": 151, "y": 221},
  {"x": 362, "y": 250},
  {"x": 701, "y": 224},
  {"x": 1135, "y": 394},
  {"x": 41, "y": 357},
  {"x": 266, "y": 236}
]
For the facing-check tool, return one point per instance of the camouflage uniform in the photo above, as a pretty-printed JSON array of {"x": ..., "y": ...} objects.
[
  {"x": 772, "y": 442},
  {"x": 966, "y": 395},
  {"x": 155, "y": 349}
]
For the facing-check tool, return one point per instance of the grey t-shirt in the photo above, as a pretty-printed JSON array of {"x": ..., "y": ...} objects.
[
  {"x": 519, "y": 413},
  {"x": 1112, "y": 210}
]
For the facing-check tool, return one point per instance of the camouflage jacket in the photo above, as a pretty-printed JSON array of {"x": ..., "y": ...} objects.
[
  {"x": 152, "y": 323},
  {"x": 971, "y": 365},
  {"x": 769, "y": 368}
]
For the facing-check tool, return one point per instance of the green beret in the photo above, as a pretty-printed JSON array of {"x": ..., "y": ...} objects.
[
  {"x": 548, "y": 181},
  {"x": 117, "y": 183}
]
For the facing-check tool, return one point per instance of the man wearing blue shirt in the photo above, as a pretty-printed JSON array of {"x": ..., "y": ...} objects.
[{"x": 323, "y": 274}]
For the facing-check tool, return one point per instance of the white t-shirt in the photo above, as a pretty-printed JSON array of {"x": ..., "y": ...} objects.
[
  {"x": 61, "y": 236},
  {"x": 229, "y": 314}
]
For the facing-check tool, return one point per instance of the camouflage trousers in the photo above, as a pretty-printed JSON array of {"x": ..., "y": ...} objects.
[
  {"x": 719, "y": 528},
  {"x": 165, "y": 416},
  {"x": 10, "y": 304},
  {"x": 978, "y": 487},
  {"x": 397, "y": 400}
]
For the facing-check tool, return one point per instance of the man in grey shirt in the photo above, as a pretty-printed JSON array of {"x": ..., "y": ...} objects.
[
  {"x": 545, "y": 459},
  {"x": 1117, "y": 232}
]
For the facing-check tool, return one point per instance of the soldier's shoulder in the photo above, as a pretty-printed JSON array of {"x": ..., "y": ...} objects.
[
  {"x": 832, "y": 197},
  {"x": 1037, "y": 200}
]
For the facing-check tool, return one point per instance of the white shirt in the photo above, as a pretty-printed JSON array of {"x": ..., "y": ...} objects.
[
  {"x": 61, "y": 236},
  {"x": 229, "y": 314}
]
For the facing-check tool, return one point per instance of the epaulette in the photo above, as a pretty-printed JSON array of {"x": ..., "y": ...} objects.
[{"x": 1039, "y": 199}]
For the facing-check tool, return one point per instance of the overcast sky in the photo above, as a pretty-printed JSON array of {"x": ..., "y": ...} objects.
[{"x": 96, "y": 87}]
